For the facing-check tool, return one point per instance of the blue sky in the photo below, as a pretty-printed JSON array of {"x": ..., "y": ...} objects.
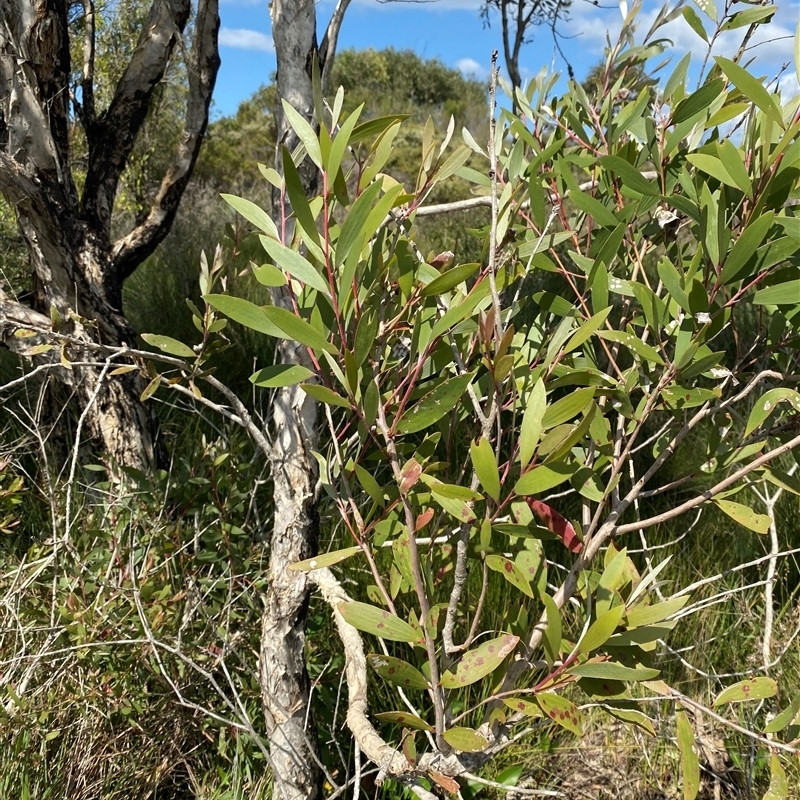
[{"x": 452, "y": 31}]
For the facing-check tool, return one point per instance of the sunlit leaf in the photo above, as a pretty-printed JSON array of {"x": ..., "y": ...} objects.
[
  {"x": 397, "y": 671},
  {"x": 465, "y": 740},
  {"x": 292, "y": 262},
  {"x": 479, "y": 662},
  {"x": 324, "y": 560},
  {"x": 562, "y": 711},
  {"x": 281, "y": 375},
  {"x": 601, "y": 629},
  {"x": 169, "y": 345},
  {"x": 325, "y": 395},
  {"x": 434, "y": 405},
  {"x": 744, "y": 515},
  {"x": 746, "y": 690},
  {"x": 511, "y": 572},
  {"x": 642, "y": 615},
  {"x": 611, "y": 671},
  {"x": 405, "y": 719},
  {"x": 543, "y": 478},
  {"x": 690, "y": 764},
  {"x": 778, "y": 783},
  {"x": 484, "y": 463},
  {"x": 377, "y": 621}
]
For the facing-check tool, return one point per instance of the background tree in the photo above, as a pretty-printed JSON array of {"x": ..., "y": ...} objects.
[{"x": 64, "y": 206}]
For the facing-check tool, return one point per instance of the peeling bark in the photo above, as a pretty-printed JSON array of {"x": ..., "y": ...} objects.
[{"x": 78, "y": 270}]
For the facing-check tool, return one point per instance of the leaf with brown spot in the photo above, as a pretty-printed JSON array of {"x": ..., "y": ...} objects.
[
  {"x": 466, "y": 740},
  {"x": 749, "y": 689},
  {"x": 424, "y": 518},
  {"x": 406, "y": 719},
  {"x": 562, "y": 711},
  {"x": 511, "y": 572},
  {"x": 480, "y": 662},
  {"x": 396, "y": 671},
  {"x": 412, "y": 469}
]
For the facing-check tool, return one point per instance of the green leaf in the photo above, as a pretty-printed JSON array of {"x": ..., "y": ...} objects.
[
  {"x": 631, "y": 176},
  {"x": 292, "y": 262},
  {"x": 325, "y": 395},
  {"x": 252, "y": 213},
  {"x": 785, "y": 718},
  {"x": 466, "y": 740},
  {"x": 397, "y": 672},
  {"x": 744, "y": 515},
  {"x": 371, "y": 486},
  {"x": 281, "y": 375},
  {"x": 594, "y": 208},
  {"x": 404, "y": 719},
  {"x": 745, "y": 247},
  {"x": 708, "y": 7},
  {"x": 690, "y": 764},
  {"x": 552, "y": 633},
  {"x": 587, "y": 328},
  {"x": 766, "y": 405},
  {"x": 304, "y": 132},
  {"x": 434, "y": 405},
  {"x": 630, "y": 715},
  {"x": 375, "y": 127},
  {"x": 150, "y": 389},
  {"x": 672, "y": 283},
  {"x": 523, "y": 706},
  {"x": 611, "y": 671},
  {"x": 697, "y": 102},
  {"x": 778, "y": 783},
  {"x": 298, "y": 329},
  {"x": 751, "y": 88},
  {"x": 601, "y": 629},
  {"x": 746, "y": 690},
  {"x": 695, "y": 23},
  {"x": 562, "y": 711},
  {"x": 340, "y": 142},
  {"x": 445, "y": 282},
  {"x": 712, "y": 166},
  {"x": 568, "y": 407},
  {"x": 634, "y": 344},
  {"x": 269, "y": 275},
  {"x": 169, "y": 345},
  {"x": 734, "y": 165},
  {"x": 355, "y": 222},
  {"x": 531, "y": 428},
  {"x": 543, "y": 478},
  {"x": 245, "y": 313},
  {"x": 641, "y": 615},
  {"x": 484, "y": 463},
  {"x": 479, "y": 662},
  {"x": 324, "y": 560},
  {"x": 787, "y": 293},
  {"x": 511, "y": 572},
  {"x": 377, "y": 621}
]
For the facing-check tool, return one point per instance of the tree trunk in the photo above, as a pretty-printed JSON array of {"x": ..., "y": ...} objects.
[
  {"x": 78, "y": 271},
  {"x": 294, "y": 749}
]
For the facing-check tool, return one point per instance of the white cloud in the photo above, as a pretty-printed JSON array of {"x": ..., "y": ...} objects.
[
  {"x": 245, "y": 39},
  {"x": 789, "y": 87},
  {"x": 470, "y": 68}
]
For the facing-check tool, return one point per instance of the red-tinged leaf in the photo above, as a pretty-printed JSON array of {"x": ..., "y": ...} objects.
[
  {"x": 511, "y": 572},
  {"x": 424, "y": 518},
  {"x": 397, "y": 671},
  {"x": 466, "y": 740},
  {"x": 556, "y": 524},
  {"x": 412, "y": 469},
  {"x": 480, "y": 662},
  {"x": 446, "y": 782},
  {"x": 405, "y": 719},
  {"x": 562, "y": 711}
]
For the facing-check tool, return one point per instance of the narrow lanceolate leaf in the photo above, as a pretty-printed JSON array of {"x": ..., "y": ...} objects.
[
  {"x": 562, "y": 711},
  {"x": 751, "y": 88},
  {"x": 750, "y": 689},
  {"x": 785, "y": 718},
  {"x": 746, "y": 245},
  {"x": 531, "y": 428},
  {"x": 298, "y": 329},
  {"x": 448, "y": 280},
  {"x": 434, "y": 405},
  {"x": 523, "y": 706},
  {"x": 786, "y": 293},
  {"x": 556, "y": 524},
  {"x": 631, "y": 176},
  {"x": 634, "y": 344},
  {"x": 552, "y": 633},
  {"x": 354, "y": 225},
  {"x": 405, "y": 719},
  {"x": 252, "y": 213},
  {"x": 778, "y": 783},
  {"x": 305, "y": 133},
  {"x": 767, "y": 403},
  {"x": 690, "y": 765},
  {"x": 611, "y": 671},
  {"x": 543, "y": 478},
  {"x": 641, "y": 615},
  {"x": 371, "y": 619},
  {"x": 485, "y": 464},
  {"x": 149, "y": 390},
  {"x": 601, "y": 629},
  {"x": 568, "y": 407},
  {"x": 466, "y": 740},
  {"x": 635, "y": 717},
  {"x": 281, "y": 375},
  {"x": 169, "y": 345},
  {"x": 398, "y": 672},
  {"x": 325, "y": 395},
  {"x": 511, "y": 572},
  {"x": 324, "y": 560},
  {"x": 245, "y": 313},
  {"x": 480, "y": 662},
  {"x": 292, "y": 262},
  {"x": 744, "y": 515}
]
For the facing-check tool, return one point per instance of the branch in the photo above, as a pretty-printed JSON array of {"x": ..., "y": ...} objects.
[
  {"x": 327, "y": 49},
  {"x": 111, "y": 139},
  {"x": 15, "y": 316},
  {"x": 202, "y": 67}
]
